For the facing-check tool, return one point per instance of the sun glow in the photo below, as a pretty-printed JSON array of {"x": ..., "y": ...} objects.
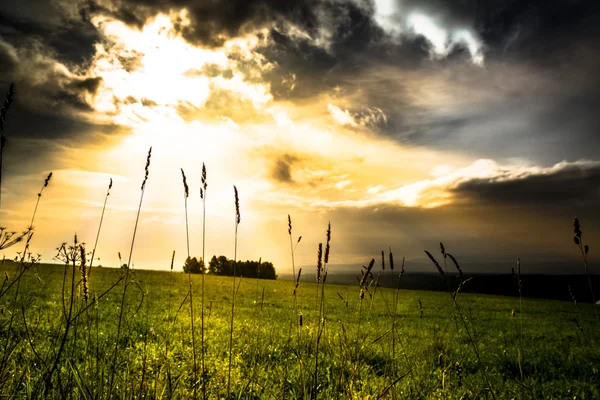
[{"x": 147, "y": 73}]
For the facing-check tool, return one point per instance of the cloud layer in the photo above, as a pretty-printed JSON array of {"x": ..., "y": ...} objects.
[{"x": 401, "y": 121}]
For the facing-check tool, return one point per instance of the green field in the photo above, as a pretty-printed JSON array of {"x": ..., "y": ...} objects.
[{"x": 360, "y": 355}]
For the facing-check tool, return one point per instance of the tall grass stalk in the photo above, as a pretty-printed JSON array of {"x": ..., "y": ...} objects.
[
  {"x": 9, "y": 99},
  {"x": 584, "y": 253},
  {"x": 26, "y": 262},
  {"x": 237, "y": 223},
  {"x": 204, "y": 185},
  {"x": 517, "y": 277},
  {"x": 295, "y": 300},
  {"x": 400, "y": 276},
  {"x": 100, "y": 225},
  {"x": 442, "y": 277},
  {"x": 367, "y": 276},
  {"x": 70, "y": 256},
  {"x": 126, "y": 283},
  {"x": 8, "y": 239},
  {"x": 294, "y": 318},
  {"x": 172, "y": 281},
  {"x": 38, "y": 199},
  {"x": 186, "y": 193},
  {"x": 321, "y": 321}
]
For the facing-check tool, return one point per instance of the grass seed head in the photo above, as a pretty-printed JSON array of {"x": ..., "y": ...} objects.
[
  {"x": 577, "y": 231},
  {"x": 460, "y": 273},
  {"x": 237, "y": 205},
  {"x": 186, "y": 189},
  {"x": 84, "y": 273},
  {"x": 9, "y": 99},
  {"x": 442, "y": 249},
  {"x": 391, "y": 259},
  {"x": 289, "y": 225},
  {"x": 147, "y": 168},
  {"x": 297, "y": 280},
  {"x": 327, "y": 244},
  {"x": 319, "y": 262},
  {"x": 47, "y": 181},
  {"x": 437, "y": 265},
  {"x": 367, "y": 273},
  {"x": 203, "y": 180}
]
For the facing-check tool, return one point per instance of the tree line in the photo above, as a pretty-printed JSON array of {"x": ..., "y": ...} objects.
[{"x": 223, "y": 266}]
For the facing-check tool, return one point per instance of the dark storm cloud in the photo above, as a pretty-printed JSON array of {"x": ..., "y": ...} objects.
[
  {"x": 338, "y": 48},
  {"x": 282, "y": 170},
  {"x": 55, "y": 24},
  {"x": 213, "y": 22},
  {"x": 39, "y": 43},
  {"x": 563, "y": 185}
]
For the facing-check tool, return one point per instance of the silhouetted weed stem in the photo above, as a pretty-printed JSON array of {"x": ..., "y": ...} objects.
[
  {"x": 321, "y": 272},
  {"x": 584, "y": 253},
  {"x": 126, "y": 284},
  {"x": 186, "y": 194},
  {"x": 462, "y": 318},
  {"x": 9, "y": 99},
  {"x": 100, "y": 224},
  {"x": 203, "y": 186},
  {"x": 237, "y": 222}
]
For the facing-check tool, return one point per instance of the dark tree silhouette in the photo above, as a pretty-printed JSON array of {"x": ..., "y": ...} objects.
[
  {"x": 249, "y": 269},
  {"x": 194, "y": 265}
]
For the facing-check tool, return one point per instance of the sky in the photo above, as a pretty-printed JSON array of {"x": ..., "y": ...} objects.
[{"x": 403, "y": 123}]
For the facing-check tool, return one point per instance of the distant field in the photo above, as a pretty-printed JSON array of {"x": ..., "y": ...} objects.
[{"x": 360, "y": 355}]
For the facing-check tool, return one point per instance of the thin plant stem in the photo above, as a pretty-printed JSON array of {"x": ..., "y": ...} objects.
[
  {"x": 589, "y": 279},
  {"x": 237, "y": 222},
  {"x": 126, "y": 284},
  {"x": 187, "y": 237},
  {"x": 203, "y": 195},
  {"x": 99, "y": 227}
]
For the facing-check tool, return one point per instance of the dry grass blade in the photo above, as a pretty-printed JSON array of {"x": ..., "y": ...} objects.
[
  {"x": 460, "y": 273},
  {"x": 100, "y": 224},
  {"x": 319, "y": 262},
  {"x": 237, "y": 222},
  {"x": 584, "y": 253},
  {"x": 391, "y": 385},
  {"x": 127, "y": 269},
  {"x": 327, "y": 246},
  {"x": 9, "y": 99},
  {"x": 437, "y": 265}
]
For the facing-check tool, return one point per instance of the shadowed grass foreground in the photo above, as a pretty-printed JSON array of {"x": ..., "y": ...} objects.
[{"x": 429, "y": 357}]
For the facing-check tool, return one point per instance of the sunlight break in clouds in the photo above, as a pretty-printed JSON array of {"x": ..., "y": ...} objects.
[
  {"x": 155, "y": 66},
  {"x": 340, "y": 116}
]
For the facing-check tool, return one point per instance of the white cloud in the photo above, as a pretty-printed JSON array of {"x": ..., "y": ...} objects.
[
  {"x": 340, "y": 116},
  {"x": 397, "y": 22}
]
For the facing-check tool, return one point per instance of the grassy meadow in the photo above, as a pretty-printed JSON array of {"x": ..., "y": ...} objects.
[{"x": 366, "y": 350}]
